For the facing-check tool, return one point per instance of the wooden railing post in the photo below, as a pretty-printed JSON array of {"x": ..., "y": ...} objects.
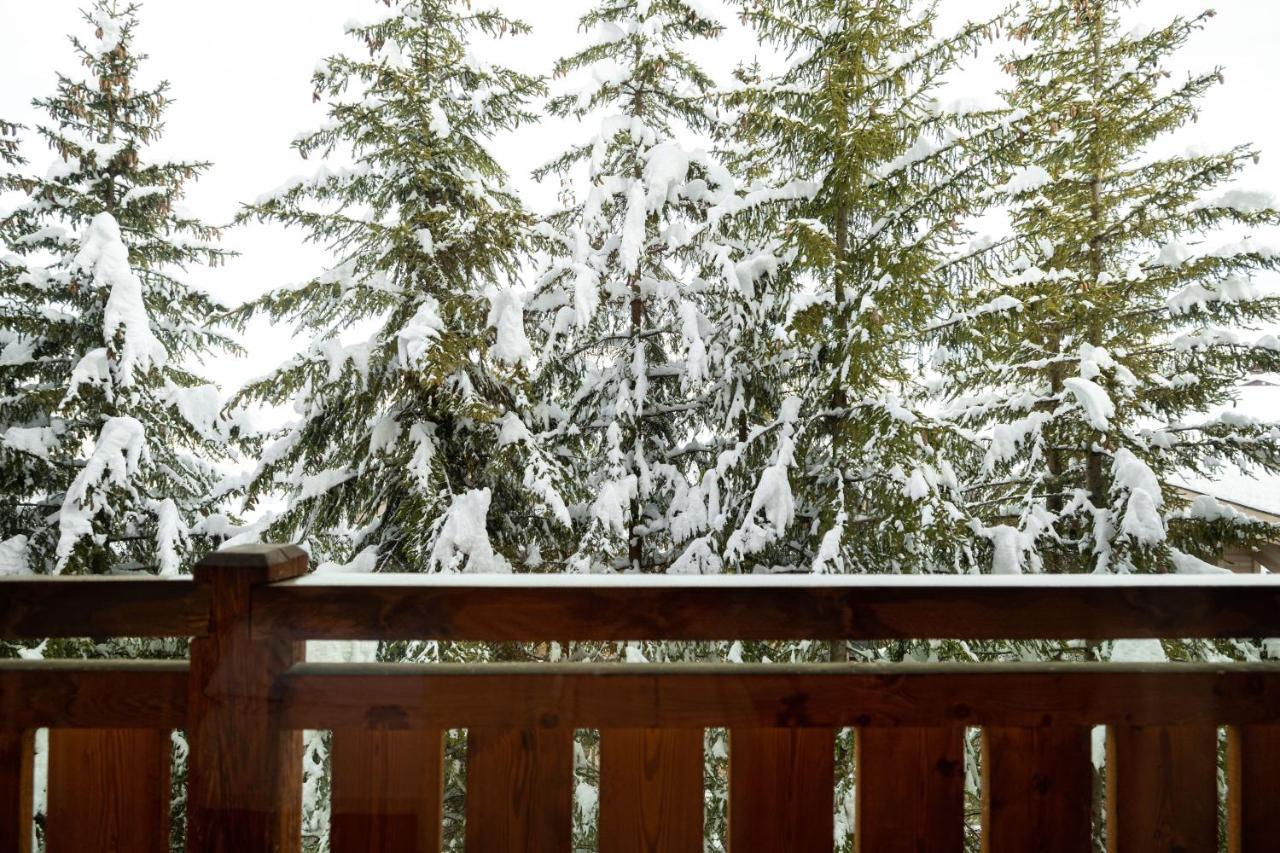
[{"x": 244, "y": 787}]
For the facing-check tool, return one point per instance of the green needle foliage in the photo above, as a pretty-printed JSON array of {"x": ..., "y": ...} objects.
[
  {"x": 9, "y": 143},
  {"x": 108, "y": 439},
  {"x": 1099, "y": 365},
  {"x": 877, "y": 247},
  {"x": 408, "y": 452}
]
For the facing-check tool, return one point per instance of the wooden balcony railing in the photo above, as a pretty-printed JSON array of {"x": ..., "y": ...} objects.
[{"x": 247, "y": 693}]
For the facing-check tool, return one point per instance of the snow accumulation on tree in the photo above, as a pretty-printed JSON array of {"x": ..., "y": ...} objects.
[
  {"x": 620, "y": 312},
  {"x": 875, "y": 247},
  {"x": 109, "y": 443},
  {"x": 761, "y": 333},
  {"x": 1126, "y": 307},
  {"x": 409, "y": 449}
]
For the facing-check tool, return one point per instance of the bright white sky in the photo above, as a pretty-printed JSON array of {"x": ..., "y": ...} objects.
[{"x": 240, "y": 71}]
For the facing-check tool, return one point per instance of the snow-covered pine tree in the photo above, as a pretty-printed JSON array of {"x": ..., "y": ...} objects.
[
  {"x": 1100, "y": 365},
  {"x": 408, "y": 452},
  {"x": 877, "y": 248},
  {"x": 108, "y": 440},
  {"x": 621, "y": 307}
]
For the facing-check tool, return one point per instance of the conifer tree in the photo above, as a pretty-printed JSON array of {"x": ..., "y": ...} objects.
[
  {"x": 409, "y": 452},
  {"x": 1096, "y": 366},
  {"x": 621, "y": 310},
  {"x": 13, "y": 557},
  {"x": 108, "y": 439},
  {"x": 875, "y": 250}
]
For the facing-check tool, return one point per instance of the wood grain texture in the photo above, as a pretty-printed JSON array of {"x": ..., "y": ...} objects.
[
  {"x": 32, "y": 608},
  {"x": 93, "y": 694},
  {"x": 910, "y": 790},
  {"x": 108, "y": 791},
  {"x": 1162, "y": 789},
  {"x": 881, "y": 612},
  {"x": 1253, "y": 788},
  {"x": 519, "y": 791},
  {"x": 15, "y": 790},
  {"x": 394, "y": 696},
  {"x": 1037, "y": 790},
  {"x": 651, "y": 791},
  {"x": 387, "y": 791},
  {"x": 244, "y": 778},
  {"x": 781, "y": 790}
]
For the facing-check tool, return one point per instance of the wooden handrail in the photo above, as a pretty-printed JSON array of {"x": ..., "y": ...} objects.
[
  {"x": 247, "y": 693},
  {"x": 38, "y": 607},
  {"x": 536, "y": 608},
  {"x": 541, "y": 607}
]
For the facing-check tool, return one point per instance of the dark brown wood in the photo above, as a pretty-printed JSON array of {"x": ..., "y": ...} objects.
[
  {"x": 910, "y": 790},
  {"x": 519, "y": 791},
  {"x": 15, "y": 790},
  {"x": 402, "y": 696},
  {"x": 245, "y": 768},
  {"x": 781, "y": 790},
  {"x": 93, "y": 694},
  {"x": 108, "y": 791},
  {"x": 1162, "y": 789},
  {"x": 854, "y": 610},
  {"x": 1253, "y": 764},
  {"x": 651, "y": 791},
  {"x": 1037, "y": 790},
  {"x": 101, "y": 607},
  {"x": 387, "y": 791}
]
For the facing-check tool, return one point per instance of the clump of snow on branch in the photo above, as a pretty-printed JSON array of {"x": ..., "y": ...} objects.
[
  {"x": 116, "y": 459},
  {"x": 125, "y": 326},
  {"x": 463, "y": 541},
  {"x": 506, "y": 317}
]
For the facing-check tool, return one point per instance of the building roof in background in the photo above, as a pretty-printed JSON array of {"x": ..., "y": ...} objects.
[{"x": 1259, "y": 397}]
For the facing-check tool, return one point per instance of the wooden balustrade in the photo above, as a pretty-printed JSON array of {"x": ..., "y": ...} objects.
[{"x": 247, "y": 693}]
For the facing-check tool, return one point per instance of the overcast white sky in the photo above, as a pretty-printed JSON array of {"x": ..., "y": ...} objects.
[{"x": 240, "y": 71}]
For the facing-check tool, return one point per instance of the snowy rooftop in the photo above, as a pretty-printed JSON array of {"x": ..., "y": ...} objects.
[{"x": 1258, "y": 490}]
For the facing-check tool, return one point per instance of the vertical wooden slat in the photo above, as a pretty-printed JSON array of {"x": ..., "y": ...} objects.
[
  {"x": 781, "y": 790},
  {"x": 651, "y": 791},
  {"x": 519, "y": 791},
  {"x": 15, "y": 791},
  {"x": 910, "y": 790},
  {"x": 387, "y": 791},
  {"x": 1037, "y": 788},
  {"x": 1253, "y": 788},
  {"x": 244, "y": 773},
  {"x": 108, "y": 791},
  {"x": 1162, "y": 789}
]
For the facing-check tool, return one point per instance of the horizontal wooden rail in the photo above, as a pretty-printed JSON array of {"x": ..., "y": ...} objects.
[
  {"x": 93, "y": 694},
  {"x": 523, "y": 608},
  {"x": 405, "y": 696},
  {"x": 102, "y": 607},
  {"x": 152, "y": 694}
]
